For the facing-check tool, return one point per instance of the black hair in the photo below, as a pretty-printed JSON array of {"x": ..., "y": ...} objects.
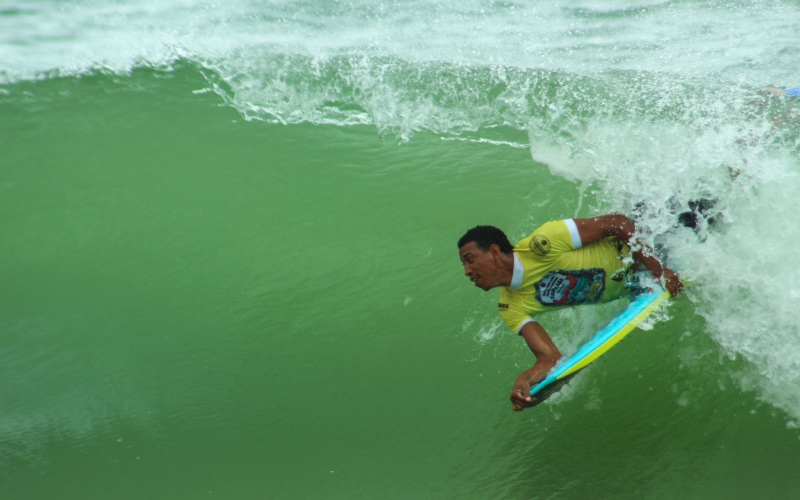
[{"x": 485, "y": 237}]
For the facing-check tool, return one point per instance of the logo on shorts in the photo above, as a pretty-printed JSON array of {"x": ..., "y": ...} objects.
[{"x": 540, "y": 245}]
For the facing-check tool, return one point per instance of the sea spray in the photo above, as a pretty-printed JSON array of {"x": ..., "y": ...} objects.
[{"x": 742, "y": 258}]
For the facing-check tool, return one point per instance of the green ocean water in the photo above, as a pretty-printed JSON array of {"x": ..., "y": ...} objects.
[
  {"x": 195, "y": 305},
  {"x": 228, "y": 248}
]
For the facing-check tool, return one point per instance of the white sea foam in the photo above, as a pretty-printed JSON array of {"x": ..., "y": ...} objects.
[
  {"x": 745, "y": 269},
  {"x": 750, "y": 42}
]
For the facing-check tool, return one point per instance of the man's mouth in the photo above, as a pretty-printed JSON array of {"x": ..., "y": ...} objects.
[{"x": 475, "y": 279}]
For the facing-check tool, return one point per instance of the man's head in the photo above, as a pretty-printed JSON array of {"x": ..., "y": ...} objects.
[{"x": 487, "y": 256}]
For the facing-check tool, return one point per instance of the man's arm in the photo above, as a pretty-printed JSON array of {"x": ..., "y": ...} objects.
[
  {"x": 547, "y": 354},
  {"x": 595, "y": 229}
]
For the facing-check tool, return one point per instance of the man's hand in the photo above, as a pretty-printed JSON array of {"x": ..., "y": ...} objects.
[
  {"x": 547, "y": 355},
  {"x": 521, "y": 393},
  {"x": 672, "y": 282}
]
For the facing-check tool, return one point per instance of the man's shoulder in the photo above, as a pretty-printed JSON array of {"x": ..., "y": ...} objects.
[
  {"x": 517, "y": 306},
  {"x": 511, "y": 306},
  {"x": 551, "y": 226},
  {"x": 551, "y": 237}
]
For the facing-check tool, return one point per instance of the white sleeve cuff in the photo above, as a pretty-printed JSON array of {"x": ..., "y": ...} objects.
[
  {"x": 573, "y": 232},
  {"x": 529, "y": 320}
]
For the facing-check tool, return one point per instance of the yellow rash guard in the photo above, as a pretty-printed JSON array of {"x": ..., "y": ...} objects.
[{"x": 552, "y": 269}]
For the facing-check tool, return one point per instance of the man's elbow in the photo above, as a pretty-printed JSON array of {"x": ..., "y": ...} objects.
[{"x": 550, "y": 355}]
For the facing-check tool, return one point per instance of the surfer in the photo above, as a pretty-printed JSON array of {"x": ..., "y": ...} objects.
[{"x": 562, "y": 263}]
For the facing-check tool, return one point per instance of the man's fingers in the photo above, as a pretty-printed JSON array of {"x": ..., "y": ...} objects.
[
  {"x": 520, "y": 400},
  {"x": 520, "y": 396}
]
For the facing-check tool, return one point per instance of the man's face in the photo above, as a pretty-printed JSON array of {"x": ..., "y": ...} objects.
[{"x": 480, "y": 266}]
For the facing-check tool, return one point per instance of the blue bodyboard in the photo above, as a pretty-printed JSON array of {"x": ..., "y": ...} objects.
[{"x": 636, "y": 312}]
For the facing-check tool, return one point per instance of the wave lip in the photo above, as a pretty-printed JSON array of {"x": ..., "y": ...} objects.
[{"x": 747, "y": 43}]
